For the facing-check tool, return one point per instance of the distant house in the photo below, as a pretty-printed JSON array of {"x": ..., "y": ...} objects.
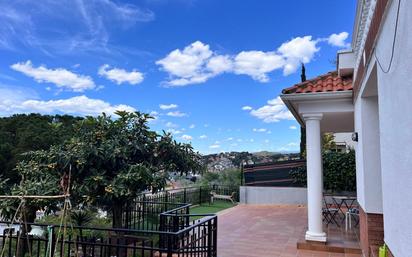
[{"x": 369, "y": 95}]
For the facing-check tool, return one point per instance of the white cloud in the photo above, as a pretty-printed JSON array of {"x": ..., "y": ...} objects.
[
  {"x": 247, "y": 108},
  {"x": 219, "y": 64},
  {"x": 229, "y": 139},
  {"x": 257, "y": 64},
  {"x": 290, "y": 147},
  {"x": 174, "y": 131},
  {"x": 338, "y": 40},
  {"x": 121, "y": 76},
  {"x": 187, "y": 66},
  {"x": 60, "y": 77},
  {"x": 154, "y": 114},
  {"x": 192, "y": 126},
  {"x": 171, "y": 125},
  {"x": 259, "y": 130},
  {"x": 203, "y": 137},
  {"x": 94, "y": 21},
  {"x": 214, "y": 146},
  {"x": 274, "y": 111},
  {"x": 78, "y": 105},
  {"x": 296, "y": 51},
  {"x": 168, "y": 106},
  {"x": 266, "y": 141},
  {"x": 12, "y": 96},
  {"x": 293, "y": 127},
  {"x": 197, "y": 63},
  {"x": 176, "y": 114},
  {"x": 186, "y": 137}
]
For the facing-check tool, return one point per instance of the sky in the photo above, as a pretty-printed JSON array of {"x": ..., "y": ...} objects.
[{"x": 209, "y": 71}]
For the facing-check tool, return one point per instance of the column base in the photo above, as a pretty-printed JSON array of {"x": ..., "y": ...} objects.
[{"x": 317, "y": 237}]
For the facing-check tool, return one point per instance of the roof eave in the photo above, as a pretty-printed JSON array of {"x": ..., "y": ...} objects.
[{"x": 289, "y": 99}]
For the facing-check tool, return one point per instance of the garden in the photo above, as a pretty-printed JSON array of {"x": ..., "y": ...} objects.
[{"x": 100, "y": 192}]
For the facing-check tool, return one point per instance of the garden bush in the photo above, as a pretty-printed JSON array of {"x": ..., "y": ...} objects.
[{"x": 339, "y": 172}]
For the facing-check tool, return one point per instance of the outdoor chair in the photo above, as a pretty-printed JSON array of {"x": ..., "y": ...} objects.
[
  {"x": 329, "y": 214},
  {"x": 352, "y": 212}
]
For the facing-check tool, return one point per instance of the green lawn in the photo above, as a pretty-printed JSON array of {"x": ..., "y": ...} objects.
[{"x": 212, "y": 208}]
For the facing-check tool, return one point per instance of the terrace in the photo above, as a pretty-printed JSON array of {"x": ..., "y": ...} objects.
[{"x": 277, "y": 230}]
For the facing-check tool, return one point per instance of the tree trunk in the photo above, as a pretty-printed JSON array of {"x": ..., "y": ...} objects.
[
  {"x": 118, "y": 208},
  {"x": 29, "y": 215},
  {"x": 117, "y": 212}
]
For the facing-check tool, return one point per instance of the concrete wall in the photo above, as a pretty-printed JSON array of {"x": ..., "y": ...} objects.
[
  {"x": 273, "y": 195},
  {"x": 395, "y": 113},
  {"x": 368, "y": 168}
]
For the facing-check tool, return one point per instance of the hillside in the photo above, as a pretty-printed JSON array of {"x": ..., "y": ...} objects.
[{"x": 227, "y": 160}]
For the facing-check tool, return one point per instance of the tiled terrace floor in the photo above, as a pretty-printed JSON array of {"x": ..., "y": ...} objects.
[{"x": 251, "y": 230}]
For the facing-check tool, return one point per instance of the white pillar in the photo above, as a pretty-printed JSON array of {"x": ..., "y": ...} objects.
[{"x": 314, "y": 177}]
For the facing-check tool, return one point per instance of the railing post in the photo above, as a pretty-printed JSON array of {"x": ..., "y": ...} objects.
[
  {"x": 209, "y": 238},
  {"x": 169, "y": 245},
  {"x": 187, "y": 217},
  {"x": 215, "y": 236},
  {"x": 53, "y": 241},
  {"x": 184, "y": 195},
  {"x": 200, "y": 195}
]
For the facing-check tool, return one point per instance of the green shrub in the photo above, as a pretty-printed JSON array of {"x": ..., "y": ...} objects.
[{"x": 339, "y": 172}]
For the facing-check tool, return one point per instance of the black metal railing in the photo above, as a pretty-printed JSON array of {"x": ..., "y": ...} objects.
[
  {"x": 144, "y": 212},
  {"x": 197, "y": 238},
  {"x": 157, "y": 224}
]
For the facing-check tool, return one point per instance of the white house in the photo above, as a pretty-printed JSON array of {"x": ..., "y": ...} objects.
[{"x": 369, "y": 95}]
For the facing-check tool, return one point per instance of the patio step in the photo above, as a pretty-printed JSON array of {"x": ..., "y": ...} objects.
[{"x": 334, "y": 246}]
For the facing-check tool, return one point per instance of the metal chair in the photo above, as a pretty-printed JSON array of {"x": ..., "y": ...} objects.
[
  {"x": 329, "y": 213},
  {"x": 352, "y": 212}
]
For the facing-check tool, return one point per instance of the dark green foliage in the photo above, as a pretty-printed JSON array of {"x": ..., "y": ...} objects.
[
  {"x": 339, "y": 172},
  {"x": 299, "y": 176},
  {"x": 21, "y": 133},
  {"x": 81, "y": 218},
  {"x": 228, "y": 177}
]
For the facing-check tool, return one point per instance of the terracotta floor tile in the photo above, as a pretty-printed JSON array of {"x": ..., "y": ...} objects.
[{"x": 260, "y": 231}]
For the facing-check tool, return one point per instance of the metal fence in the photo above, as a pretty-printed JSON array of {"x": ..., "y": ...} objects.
[
  {"x": 155, "y": 225},
  {"x": 193, "y": 238},
  {"x": 144, "y": 212}
]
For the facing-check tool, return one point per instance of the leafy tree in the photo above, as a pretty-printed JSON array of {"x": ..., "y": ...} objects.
[
  {"x": 109, "y": 162},
  {"x": 21, "y": 133},
  {"x": 228, "y": 177}
]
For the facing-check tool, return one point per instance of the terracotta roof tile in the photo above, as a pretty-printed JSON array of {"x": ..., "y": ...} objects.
[{"x": 329, "y": 82}]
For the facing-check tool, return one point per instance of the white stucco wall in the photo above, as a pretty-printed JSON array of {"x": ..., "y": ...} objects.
[
  {"x": 395, "y": 124},
  {"x": 344, "y": 138},
  {"x": 273, "y": 195},
  {"x": 360, "y": 178}
]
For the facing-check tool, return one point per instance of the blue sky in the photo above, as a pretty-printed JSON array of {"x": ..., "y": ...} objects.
[{"x": 209, "y": 71}]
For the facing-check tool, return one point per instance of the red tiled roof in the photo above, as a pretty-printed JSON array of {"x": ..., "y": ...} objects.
[{"x": 329, "y": 82}]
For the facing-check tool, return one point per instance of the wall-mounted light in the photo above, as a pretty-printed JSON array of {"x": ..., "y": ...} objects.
[{"x": 355, "y": 136}]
